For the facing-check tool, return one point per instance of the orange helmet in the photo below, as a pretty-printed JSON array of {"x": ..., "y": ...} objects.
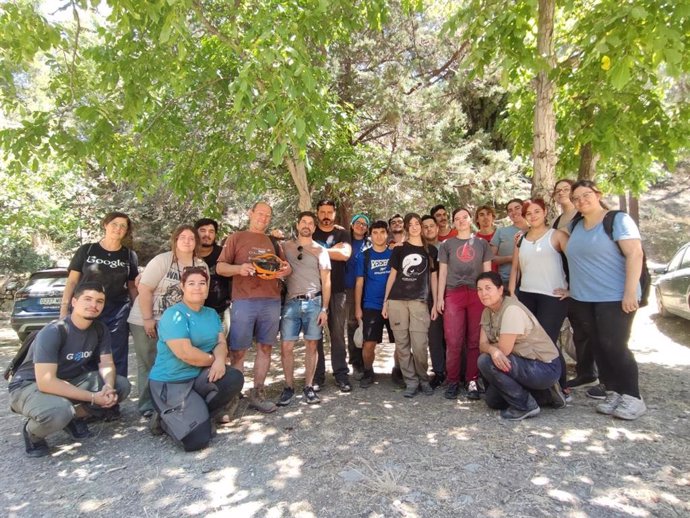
[{"x": 267, "y": 266}]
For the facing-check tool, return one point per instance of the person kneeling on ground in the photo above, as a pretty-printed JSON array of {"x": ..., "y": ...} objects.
[
  {"x": 190, "y": 383},
  {"x": 58, "y": 384},
  {"x": 518, "y": 359}
]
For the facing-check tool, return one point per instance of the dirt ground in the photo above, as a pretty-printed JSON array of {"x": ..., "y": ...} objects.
[{"x": 372, "y": 453}]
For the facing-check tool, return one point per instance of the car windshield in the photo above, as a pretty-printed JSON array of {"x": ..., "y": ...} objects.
[{"x": 46, "y": 283}]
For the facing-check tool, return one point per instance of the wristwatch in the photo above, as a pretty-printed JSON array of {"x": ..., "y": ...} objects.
[{"x": 324, "y": 310}]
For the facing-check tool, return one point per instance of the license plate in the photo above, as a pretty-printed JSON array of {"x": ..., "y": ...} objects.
[{"x": 50, "y": 301}]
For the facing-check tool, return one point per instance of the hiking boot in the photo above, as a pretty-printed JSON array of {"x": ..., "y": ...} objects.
[
  {"x": 437, "y": 380},
  {"x": 580, "y": 381},
  {"x": 367, "y": 380},
  {"x": 286, "y": 396},
  {"x": 78, "y": 429},
  {"x": 426, "y": 388},
  {"x": 258, "y": 401},
  {"x": 228, "y": 413},
  {"x": 473, "y": 391},
  {"x": 629, "y": 408},
  {"x": 452, "y": 391},
  {"x": 344, "y": 385},
  {"x": 37, "y": 448},
  {"x": 410, "y": 391},
  {"x": 607, "y": 407},
  {"x": 310, "y": 396},
  {"x": 357, "y": 372},
  {"x": 513, "y": 414},
  {"x": 596, "y": 392},
  {"x": 558, "y": 398},
  {"x": 397, "y": 377},
  {"x": 155, "y": 424}
]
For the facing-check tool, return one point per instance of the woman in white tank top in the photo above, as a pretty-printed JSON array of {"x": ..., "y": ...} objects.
[{"x": 538, "y": 271}]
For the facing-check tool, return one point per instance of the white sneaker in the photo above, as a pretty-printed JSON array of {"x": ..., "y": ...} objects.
[
  {"x": 630, "y": 408},
  {"x": 612, "y": 400}
]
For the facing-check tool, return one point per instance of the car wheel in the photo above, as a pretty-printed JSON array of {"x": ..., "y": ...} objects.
[{"x": 661, "y": 309}]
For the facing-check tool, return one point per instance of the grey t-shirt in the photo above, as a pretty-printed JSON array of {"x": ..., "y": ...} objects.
[
  {"x": 80, "y": 352},
  {"x": 504, "y": 239},
  {"x": 465, "y": 258},
  {"x": 306, "y": 263}
]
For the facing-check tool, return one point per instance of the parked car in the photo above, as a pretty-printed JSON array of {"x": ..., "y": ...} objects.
[
  {"x": 38, "y": 302},
  {"x": 673, "y": 286}
]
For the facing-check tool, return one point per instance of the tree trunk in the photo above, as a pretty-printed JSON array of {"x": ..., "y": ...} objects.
[
  {"x": 544, "y": 148},
  {"x": 588, "y": 163},
  {"x": 622, "y": 202},
  {"x": 634, "y": 205},
  {"x": 298, "y": 172}
]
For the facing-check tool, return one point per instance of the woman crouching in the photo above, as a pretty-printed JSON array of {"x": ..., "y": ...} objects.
[
  {"x": 519, "y": 361},
  {"x": 189, "y": 381}
]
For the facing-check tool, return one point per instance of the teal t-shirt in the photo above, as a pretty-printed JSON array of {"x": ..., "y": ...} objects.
[{"x": 179, "y": 321}]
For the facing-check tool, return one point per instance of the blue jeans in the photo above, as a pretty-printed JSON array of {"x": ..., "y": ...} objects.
[
  {"x": 301, "y": 315},
  {"x": 514, "y": 386}
]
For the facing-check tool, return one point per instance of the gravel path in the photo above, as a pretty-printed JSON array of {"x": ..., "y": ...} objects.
[{"x": 372, "y": 453}]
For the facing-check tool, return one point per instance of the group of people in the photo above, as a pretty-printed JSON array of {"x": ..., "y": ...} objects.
[{"x": 485, "y": 304}]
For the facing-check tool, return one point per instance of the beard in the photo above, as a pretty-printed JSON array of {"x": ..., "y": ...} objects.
[{"x": 90, "y": 318}]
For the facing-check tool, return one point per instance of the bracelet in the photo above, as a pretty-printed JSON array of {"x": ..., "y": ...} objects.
[{"x": 93, "y": 398}]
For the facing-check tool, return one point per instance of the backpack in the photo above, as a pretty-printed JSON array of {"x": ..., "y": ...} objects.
[
  {"x": 23, "y": 350},
  {"x": 645, "y": 277}
]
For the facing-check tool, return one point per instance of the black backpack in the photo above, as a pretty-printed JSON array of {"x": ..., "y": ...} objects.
[
  {"x": 645, "y": 277},
  {"x": 23, "y": 350}
]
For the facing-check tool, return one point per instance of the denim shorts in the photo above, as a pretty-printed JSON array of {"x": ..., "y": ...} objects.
[
  {"x": 301, "y": 315},
  {"x": 254, "y": 318}
]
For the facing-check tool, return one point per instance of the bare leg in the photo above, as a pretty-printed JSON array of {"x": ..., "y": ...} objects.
[
  {"x": 237, "y": 359},
  {"x": 368, "y": 355},
  {"x": 262, "y": 362},
  {"x": 287, "y": 358},
  {"x": 310, "y": 358}
]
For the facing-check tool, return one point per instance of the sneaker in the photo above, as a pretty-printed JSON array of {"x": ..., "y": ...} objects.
[
  {"x": 596, "y": 392},
  {"x": 607, "y": 407},
  {"x": 558, "y": 399},
  {"x": 473, "y": 391},
  {"x": 78, "y": 429},
  {"x": 317, "y": 387},
  {"x": 35, "y": 449},
  {"x": 410, "y": 392},
  {"x": 513, "y": 414},
  {"x": 357, "y": 372},
  {"x": 112, "y": 413},
  {"x": 629, "y": 408},
  {"x": 258, "y": 401},
  {"x": 286, "y": 396},
  {"x": 344, "y": 385},
  {"x": 367, "y": 380},
  {"x": 397, "y": 377},
  {"x": 437, "y": 380},
  {"x": 155, "y": 424},
  {"x": 580, "y": 381},
  {"x": 452, "y": 391},
  {"x": 228, "y": 413},
  {"x": 426, "y": 388},
  {"x": 310, "y": 396}
]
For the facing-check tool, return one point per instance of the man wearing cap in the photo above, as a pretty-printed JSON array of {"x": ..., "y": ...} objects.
[
  {"x": 359, "y": 228},
  {"x": 337, "y": 241},
  {"x": 306, "y": 305}
]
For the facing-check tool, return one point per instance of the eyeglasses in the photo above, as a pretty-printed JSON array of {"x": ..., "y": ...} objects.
[
  {"x": 562, "y": 190},
  {"x": 361, "y": 224},
  {"x": 397, "y": 222},
  {"x": 121, "y": 226},
  {"x": 584, "y": 196},
  {"x": 300, "y": 248}
]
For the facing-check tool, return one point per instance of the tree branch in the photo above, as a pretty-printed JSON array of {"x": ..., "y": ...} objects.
[
  {"x": 210, "y": 27},
  {"x": 440, "y": 72}
]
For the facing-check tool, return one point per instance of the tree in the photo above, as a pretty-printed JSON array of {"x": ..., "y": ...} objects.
[{"x": 614, "y": 65}]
